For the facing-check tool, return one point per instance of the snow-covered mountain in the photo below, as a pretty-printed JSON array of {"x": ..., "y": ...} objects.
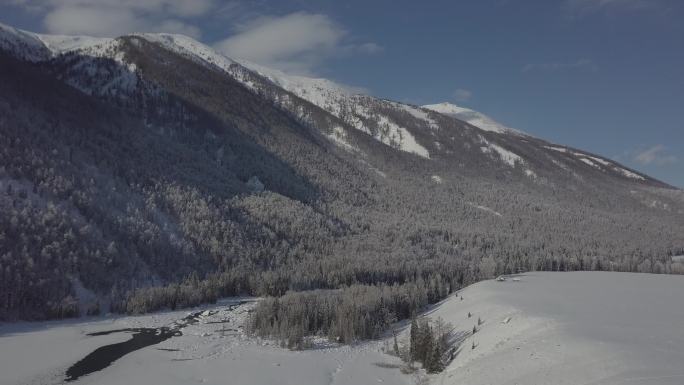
[
  {"x": 24, "y": 45},
  {"x": 39, "y": 47},
  {"x": 413, "y": 129},
  {"x": 132, "y": 161}
]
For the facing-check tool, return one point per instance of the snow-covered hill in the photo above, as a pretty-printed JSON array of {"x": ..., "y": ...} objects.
[
  {"x": 568, "y": 328},
  {"x": 40, "y": 47}
]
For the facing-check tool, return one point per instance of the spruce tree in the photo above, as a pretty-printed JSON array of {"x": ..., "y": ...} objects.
[{"x": 414, "y": 340}]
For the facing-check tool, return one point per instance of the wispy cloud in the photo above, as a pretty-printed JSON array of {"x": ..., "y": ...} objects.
[
  {"x": 585, "y": 65},
  {"x": 576, "y": 8},
  {"x": 655, "y": 155},
  {"x": 462, "y": 95},
  {"x": 297, "y": 43},
  {"x": 369, "y": 48}
]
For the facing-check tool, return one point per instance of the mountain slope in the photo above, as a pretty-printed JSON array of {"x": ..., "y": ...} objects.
[
  {"x": 402, "y": 123},
  {"x": 150, "y": 160},
  {"x": 475, "y": 118}
]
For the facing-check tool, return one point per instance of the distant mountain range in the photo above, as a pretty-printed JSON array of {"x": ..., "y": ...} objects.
[{"x": 151, "y": 159}]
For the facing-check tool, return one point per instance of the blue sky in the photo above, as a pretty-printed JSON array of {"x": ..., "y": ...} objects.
[{"x": 605, "y": 76}]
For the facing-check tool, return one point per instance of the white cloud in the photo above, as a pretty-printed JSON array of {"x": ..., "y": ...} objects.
[
  {"x": 462, "y": 95},
  {"x": 117, "y": 17},
  {"x": 298, "y": 43},
  {"x": 87, "y": 20},
  {"x": 579, "y": 65},
  {"x": 295, "y": 43},
  {"x": 180, "y": 8},
  {"x": 656, "y": 155}
]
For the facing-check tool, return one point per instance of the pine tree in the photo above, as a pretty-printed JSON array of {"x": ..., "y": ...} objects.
[
  {"x": 414, "y": 339},
  {"x": 396, "y": 343},
  {"x": 434, "y": 362}
]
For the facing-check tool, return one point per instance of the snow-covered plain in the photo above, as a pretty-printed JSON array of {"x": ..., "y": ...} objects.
[
  {"x": 570, "y": 328},
  {"x": 537, "y": 328}
]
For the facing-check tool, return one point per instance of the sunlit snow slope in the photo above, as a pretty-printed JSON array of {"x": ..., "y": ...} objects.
[{"x": 569, "y": 328}]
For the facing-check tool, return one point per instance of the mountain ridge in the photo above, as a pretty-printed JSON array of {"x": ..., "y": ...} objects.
[{"x": 337, "y": 100}]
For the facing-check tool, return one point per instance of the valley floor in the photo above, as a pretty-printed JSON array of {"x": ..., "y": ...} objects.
[{"x": 542, "y": 328}]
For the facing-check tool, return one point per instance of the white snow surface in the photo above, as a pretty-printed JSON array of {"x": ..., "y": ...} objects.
[
  {"x": 321, "y": 92},
  {"x": 38, "y": 47},
  {"x": 598, "y": 162},
  {"x": 472, "y": 117},
  {"x": 485, "y": 208},
  {"x": 589, "y": 162},
  {"x": 538, "y": 328},
  {"x": 629, "y": 174},
  {"x": 190, "y": 48},
  {"x": 559, "y": 149},
  {"x": 418, "y": 113},
  {"x": 569, "y": 328},
  {"x": 397, "y": 136},
  {"x": 508, "y": 157},
  {"x": 39, "y": 353},
  {"x": 334, "y": 98},
  {"x": 59, "y": 44}
]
